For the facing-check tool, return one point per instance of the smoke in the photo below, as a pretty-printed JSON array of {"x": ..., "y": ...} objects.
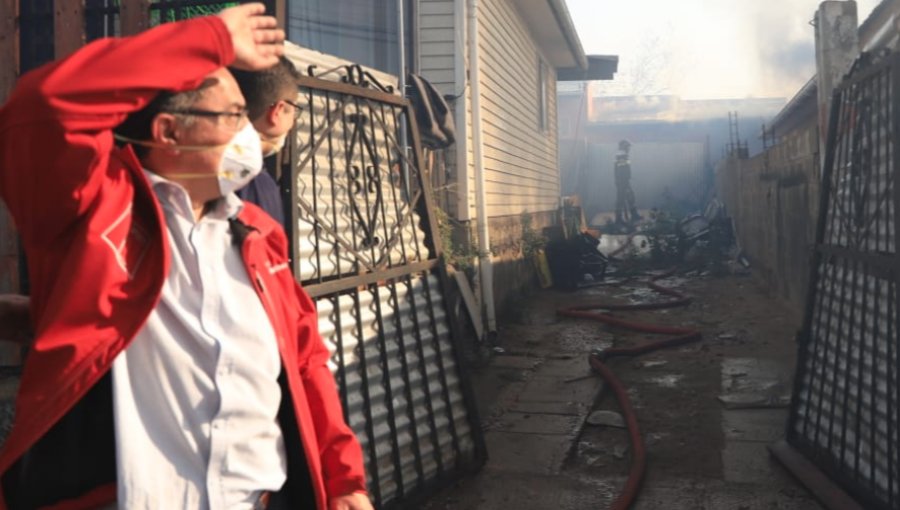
[
  {"x": 785, "y": 70},
  {"x": 711, "y": 48},
  {"x": 784, "y": 40}
]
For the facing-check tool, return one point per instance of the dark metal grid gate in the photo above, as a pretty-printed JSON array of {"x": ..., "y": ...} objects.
[
  {"x": 365, "y": 248},
  {"x": 844, "y": 414}
]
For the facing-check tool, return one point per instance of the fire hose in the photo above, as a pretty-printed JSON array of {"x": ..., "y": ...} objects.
[{"x": 597, "y": 361}]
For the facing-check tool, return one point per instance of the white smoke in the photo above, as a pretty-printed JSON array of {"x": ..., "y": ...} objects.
[{"x": 704, "y": 48}]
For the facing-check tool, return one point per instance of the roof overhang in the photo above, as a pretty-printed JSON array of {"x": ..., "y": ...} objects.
[
  {"x": 553, "y": 30},
  {"x": 600, "y": 67}
]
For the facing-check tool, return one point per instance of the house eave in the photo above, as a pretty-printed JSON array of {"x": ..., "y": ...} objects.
[
  {"x": 554, "y": 31},
  {"x": 600, "y": 67}
]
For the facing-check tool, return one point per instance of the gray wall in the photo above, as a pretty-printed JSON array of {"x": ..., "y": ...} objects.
[
  {"x": 773, "y": 199},
  {"x": 657, "y": 169},
  {"x": 664, "y": 154}
]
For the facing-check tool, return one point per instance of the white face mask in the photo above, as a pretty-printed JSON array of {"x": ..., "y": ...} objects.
[{"x": 241, "y": 161}]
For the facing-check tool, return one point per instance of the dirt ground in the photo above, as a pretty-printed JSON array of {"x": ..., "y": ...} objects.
[
  {"x": 675, "y": 390},
  {"x": 537, "y": 391}
]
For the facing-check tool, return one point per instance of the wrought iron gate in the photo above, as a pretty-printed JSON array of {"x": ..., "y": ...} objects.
[
  {"x": 365, "y": 248},
  {"x": 844, "y": 413}
]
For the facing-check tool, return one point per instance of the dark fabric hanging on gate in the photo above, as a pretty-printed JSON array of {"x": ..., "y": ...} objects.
[{"x": 433, "y": 115}]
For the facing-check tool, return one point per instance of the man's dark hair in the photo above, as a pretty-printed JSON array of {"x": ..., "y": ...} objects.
[
  {"x": 262, "y": 89},
  {"x": 137, "y": 125}
]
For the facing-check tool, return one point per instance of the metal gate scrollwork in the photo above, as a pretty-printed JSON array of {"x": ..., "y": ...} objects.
[{"x": 365, "y": 247}]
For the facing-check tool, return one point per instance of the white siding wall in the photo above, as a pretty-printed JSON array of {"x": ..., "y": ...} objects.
[
  {"x": 441, "y": 37},
  {"x": 521, "y": 160},
  {"x": 437, "y": 44}
]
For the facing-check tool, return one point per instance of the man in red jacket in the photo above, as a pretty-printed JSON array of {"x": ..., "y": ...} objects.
[{"x": 175, "y": 361}]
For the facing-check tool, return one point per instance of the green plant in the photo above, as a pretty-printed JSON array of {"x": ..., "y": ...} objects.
[
  {"x": 166, "y": 15},
  {"x": 532, "y": 241},
  {"x": 459, "y": 255}
]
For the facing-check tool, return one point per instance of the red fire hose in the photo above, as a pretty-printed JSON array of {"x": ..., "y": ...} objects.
[{"x": 597, "y": 362}]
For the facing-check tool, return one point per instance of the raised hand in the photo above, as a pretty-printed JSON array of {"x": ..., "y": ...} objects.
[{"x": 257, "y": 40}]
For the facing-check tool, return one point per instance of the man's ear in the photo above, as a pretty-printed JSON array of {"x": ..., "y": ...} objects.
[
  {"x": 165, "y": 129},
  {"x": 272, "y": 114}
]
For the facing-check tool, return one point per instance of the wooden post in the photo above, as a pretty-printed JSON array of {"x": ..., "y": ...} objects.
[
  {"x": 68, "y": 26},
  {"x": 9, "y": 56},
  {"x": 281, "y": 13},
  {"x": 135, "y": 16},
  {"x": 9, "y": 246},
  {"x": 9, "y": 46}
]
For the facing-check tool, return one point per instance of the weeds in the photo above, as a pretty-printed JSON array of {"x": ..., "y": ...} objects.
[{"x": 459, "y": 255}]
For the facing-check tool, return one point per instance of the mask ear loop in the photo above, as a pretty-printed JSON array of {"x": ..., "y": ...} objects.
[
  {"x": 157, "y": 145},
  {"x": 269, "y": 139},
  {"x": 227, "y": 173},
  {"x": 186, "y": 148}
]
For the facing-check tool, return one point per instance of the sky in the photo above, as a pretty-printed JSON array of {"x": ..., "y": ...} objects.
[{"x": 703, "y": 49}]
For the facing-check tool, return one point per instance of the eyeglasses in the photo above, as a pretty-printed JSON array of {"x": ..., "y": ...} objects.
[
  {"x": 298, "y": 110},
  {"x": 228, "y": 119}
]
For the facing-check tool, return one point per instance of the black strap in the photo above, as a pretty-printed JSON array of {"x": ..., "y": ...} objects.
[{"x": 239, "y": 231}]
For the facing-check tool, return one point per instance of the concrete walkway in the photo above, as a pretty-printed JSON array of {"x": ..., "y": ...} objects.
[{"x": 537, "y": 391}]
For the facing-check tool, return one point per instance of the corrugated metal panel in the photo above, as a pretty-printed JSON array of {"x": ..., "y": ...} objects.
[
  {"x": 322, "y": 63},
  {"x": 396, "y": 369},
  {"x": 846, "y": 411},
  {"x": 364, "y": 249}
]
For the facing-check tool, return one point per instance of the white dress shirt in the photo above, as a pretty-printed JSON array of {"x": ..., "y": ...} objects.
[{"x": 196, "y": 393}]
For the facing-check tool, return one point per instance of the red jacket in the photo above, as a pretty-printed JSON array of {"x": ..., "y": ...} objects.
[{"x": 94, "y": 237}]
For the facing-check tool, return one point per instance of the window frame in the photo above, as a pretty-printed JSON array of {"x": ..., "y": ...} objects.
[{"x": 543, "y": 87}]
